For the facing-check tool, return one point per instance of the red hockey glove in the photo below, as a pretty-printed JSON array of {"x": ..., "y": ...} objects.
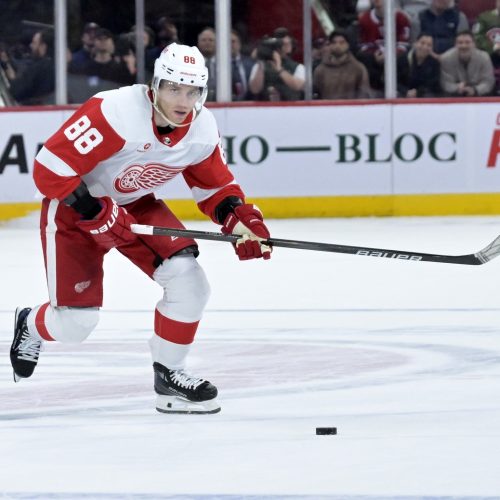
[
  {"x": 111, "y": 226},
  {"x": 246, "y": 220}
]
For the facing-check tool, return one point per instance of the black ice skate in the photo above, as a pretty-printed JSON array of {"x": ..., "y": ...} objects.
[
  {"x": 178, "y": 392},
  {"x": 24, "y": 350}
]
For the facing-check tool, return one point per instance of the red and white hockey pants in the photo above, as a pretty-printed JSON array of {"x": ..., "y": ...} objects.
[{"x": 74, "y": 268}]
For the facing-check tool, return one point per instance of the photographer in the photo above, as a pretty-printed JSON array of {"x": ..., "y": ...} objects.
[{"x": 276, "y": 77}]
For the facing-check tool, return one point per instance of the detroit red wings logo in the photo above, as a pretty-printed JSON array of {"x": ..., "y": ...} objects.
[{"x": 146, "y": 176}]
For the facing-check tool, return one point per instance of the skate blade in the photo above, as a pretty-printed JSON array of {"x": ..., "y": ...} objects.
[
  {"x": 174, "y": 404},
  {"x": 17, "y": 378}
]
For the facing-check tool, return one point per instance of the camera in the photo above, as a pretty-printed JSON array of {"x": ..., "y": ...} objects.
[{"x": 267, "y": 46}]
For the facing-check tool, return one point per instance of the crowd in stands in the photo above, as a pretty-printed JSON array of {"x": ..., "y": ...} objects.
[{"x": 440, "y": 51}]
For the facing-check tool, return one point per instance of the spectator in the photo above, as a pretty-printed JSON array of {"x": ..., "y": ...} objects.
[
  {"x": 106, "y": 64},
  {"x": 375, "y": 64},
  {"x": 318, "y": 46},
  {"x": 487, "y": 29},
  {"x": 105, "y": 70},
  {"x": 412, "y": 9},
  {"x": 36, "y": 82},
  {"x": 372, "y": 53},
  {"x": 123, "y": 47},
  {"x": 487, "y": 35},
  {"x": 443, "y": 22},
  {"x": 240, "y": 70},
  {"x": 297, "y": 69},
  {"x": 340, "y": 75},
  {"x": 287, "y": 42},
  {"x": 206, "y": 45},
  {"x": 465, "y": 70},
  {"x": 167, "y": 33},
  {"x": 423, "y": 78},
  {"x": 276, "y": 76},
  {"x": 150, "y": 49},
  {"x": 371, "y": 30},
  {"x": 82, "y": 56}
]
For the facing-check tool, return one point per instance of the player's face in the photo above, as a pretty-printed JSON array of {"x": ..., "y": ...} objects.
[{"x": 177, "y": 100}]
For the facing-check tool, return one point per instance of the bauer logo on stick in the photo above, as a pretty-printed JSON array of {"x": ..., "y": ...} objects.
[{"x": 326, "y": 431}]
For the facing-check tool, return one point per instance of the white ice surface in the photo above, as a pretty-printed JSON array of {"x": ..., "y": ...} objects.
[{"x": 402, "y": 357}]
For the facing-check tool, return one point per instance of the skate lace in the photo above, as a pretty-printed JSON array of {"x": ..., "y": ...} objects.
[
  {"x": 185, "y": 380},
  {"x": 29, "y": 348}
]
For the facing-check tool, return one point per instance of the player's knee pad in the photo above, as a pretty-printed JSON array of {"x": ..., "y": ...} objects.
[
  {"x": 74, "y": 324},
  {"x": 186, "y": 288}
]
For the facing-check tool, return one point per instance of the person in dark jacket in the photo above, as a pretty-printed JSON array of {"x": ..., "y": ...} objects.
[
  {"x": 105, "y": 65},
  {"x": 443, "y": 21},
  {"x": 84, "y": 54},
  {"x": 424, "y": 70},
  {"x": 241, "y": 68},
  {"x": 36, "y": 83}
]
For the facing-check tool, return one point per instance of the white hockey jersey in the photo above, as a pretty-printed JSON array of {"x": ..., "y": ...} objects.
[{"x": 113, "y": 145}]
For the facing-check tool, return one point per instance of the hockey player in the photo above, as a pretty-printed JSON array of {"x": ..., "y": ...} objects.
[{"x": 98, "y": 173}]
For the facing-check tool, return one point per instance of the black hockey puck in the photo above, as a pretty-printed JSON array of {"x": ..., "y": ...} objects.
[{"x": 326, "y": 431}]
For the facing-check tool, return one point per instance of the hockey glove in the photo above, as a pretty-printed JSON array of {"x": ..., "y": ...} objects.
[
  {"x": 111, "y": 226},
  {"x": 247, "y": 221}
]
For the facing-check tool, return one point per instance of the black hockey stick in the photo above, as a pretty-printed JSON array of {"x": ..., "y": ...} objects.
[{"x": 474, "y": 259}]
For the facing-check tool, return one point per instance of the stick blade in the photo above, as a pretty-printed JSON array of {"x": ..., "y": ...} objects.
[{"x": 489, "y": 252}]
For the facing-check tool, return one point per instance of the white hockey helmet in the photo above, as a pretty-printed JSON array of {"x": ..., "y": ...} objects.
[{"x": 182, "y": 64}]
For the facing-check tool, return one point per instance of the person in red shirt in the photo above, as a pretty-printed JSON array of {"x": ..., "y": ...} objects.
[
  {"x": 371, "y": 29},
  {"x": 371, "y": 44},
  {"x": 99, "y": 173}
]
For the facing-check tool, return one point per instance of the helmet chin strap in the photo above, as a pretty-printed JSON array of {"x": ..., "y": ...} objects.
[{"x": 156, "y": 106}]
